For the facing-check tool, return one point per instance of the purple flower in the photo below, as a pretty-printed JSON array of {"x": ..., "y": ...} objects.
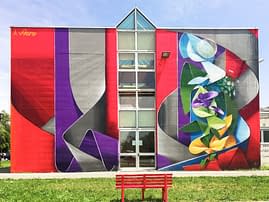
[
  {"x": 217, "y": 110},
  {"x": 204, "y": 99}
]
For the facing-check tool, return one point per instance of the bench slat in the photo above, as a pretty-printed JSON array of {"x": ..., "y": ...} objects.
[
  {"x": 142, "y": 175},
  {"x": 143, "y": 180},
  {"x": 143, "y": 187}
]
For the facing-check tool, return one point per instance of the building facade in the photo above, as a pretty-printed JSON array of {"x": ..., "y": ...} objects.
[
  {"x": 264, "y": 120},
  {"x": 134, "y": 97}
]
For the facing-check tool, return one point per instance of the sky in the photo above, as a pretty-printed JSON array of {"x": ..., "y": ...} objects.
[{"x": 108, "y": 13}]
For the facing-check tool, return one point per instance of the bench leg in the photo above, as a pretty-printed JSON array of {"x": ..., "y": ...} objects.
[
  {"x": 122, "y": 195},
  {"x": 143, "y": 194},
  {"x": 164, "y": 195}
]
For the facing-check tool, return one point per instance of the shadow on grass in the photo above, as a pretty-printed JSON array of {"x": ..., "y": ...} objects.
[{"x": 149, "y": 199}]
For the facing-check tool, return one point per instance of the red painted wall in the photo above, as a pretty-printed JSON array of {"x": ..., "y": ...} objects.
[
  {"x": 111, "y": 83},
  {"x": 32, "y": 94},
  {"x": 166, "y": 68},
  {"x": 252, "y": 117}
]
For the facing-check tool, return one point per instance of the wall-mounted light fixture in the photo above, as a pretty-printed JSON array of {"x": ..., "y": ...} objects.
[
  {"x": 165, "y": 54},
  {"x": 261, "y": 60}
]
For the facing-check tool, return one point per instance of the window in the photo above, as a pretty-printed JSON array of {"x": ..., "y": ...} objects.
[
  {"x": 127, "y": 100},
  {"x": 127, "y": 119},
  {"x": 143, "y": 23},
  {"x": 146, "y": 40},
  {"x": 265, "y": 136},
  {"x": 127, "y": 161},
  {"x": 127, "y": 80},
  {"x": 145, "y": 61},
  {"x": 126, "y": 61},
  {"x": 147, "y": 161},
  {"x": 146, "y": 100},
  {"x": 146, "y": 80},
  {"x": 128, "y": 23},
  {"x": 135, "y": 20},
  {"x": 127, "y": 139},
  {"x": 126, "y": 40},
  {"x": 147, "y": 141},
  {"x": 136, "y": 87},
  {"x": 146, "y": 119}
]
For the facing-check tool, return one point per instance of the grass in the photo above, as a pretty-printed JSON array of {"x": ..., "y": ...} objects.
[
  {"x": 264, "y": 168},
  {"x": 4, "y": 164},
  {"x": 184, "y": 189}
]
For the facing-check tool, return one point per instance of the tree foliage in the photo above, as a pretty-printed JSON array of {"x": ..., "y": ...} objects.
[{"x": 5, "y": 132}]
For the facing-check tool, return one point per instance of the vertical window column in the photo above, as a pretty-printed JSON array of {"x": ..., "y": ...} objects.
[{"x": 136, "y": 87}]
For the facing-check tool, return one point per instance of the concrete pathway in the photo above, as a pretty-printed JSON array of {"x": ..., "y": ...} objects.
[{"x": 112, "y": 174}]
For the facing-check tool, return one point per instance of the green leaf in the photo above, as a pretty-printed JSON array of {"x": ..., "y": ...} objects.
[
  {"x": 204, "y": 162},
  {"x": 187, "y": 74},
  {"x": 231, "y": 108},
  {"x": 194, "y": 126},
  {"x": 212, "y": 156},
  {"x": 203, "y": 112},
  {"x": 220, "y": 101},
  {"x": 207, "y": 131},
  {"x": 215, "y": 122},
  {"x": 215, "y": 133},
  {"x": 206, "y": 139}
]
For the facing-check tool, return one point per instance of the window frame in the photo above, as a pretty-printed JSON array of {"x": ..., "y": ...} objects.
[
  {"x": 137, "y": 90},
  {"x": 263, "y": 134}
]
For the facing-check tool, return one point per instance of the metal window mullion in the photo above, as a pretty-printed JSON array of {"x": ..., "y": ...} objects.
[
  {"x": 136, "y": 132},
  {"x": 135, "y": 20},
  {"x": 146, "y": 129},
  {"x": 146, "y": 109},
  {"x": 127, "y": 154},
  {"x": 136, "y": 101},
  {"x": 137, "y": 148},
  {"x": 148, "y": 154},
  {"x": 146, "y": 70}
]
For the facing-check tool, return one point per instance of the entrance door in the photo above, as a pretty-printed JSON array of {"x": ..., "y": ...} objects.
[{"x": 137, "y": 149}]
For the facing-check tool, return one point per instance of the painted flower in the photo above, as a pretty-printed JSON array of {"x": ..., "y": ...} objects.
[
  {"x": 205, "y": 100},
  {"x": 197, "y": 146}
]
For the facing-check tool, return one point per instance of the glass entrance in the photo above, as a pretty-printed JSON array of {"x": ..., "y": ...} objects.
[
  {"x": 137, "y": 149},
  {"x": 136, "y": 92}
]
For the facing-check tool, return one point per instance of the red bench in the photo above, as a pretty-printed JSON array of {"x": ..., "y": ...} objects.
[{"x": 144, "y": 181}]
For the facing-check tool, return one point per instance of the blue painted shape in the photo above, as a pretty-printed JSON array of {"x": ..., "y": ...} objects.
[{"x": 183, "y": 41}]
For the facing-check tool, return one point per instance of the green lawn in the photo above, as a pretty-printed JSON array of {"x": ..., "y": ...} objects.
[{"x": 184, "y": 189}]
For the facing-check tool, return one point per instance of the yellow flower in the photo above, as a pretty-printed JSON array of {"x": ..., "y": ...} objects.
[
  {"x": 228, "y": 121},
  {"x": 197, "y": 146}
]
